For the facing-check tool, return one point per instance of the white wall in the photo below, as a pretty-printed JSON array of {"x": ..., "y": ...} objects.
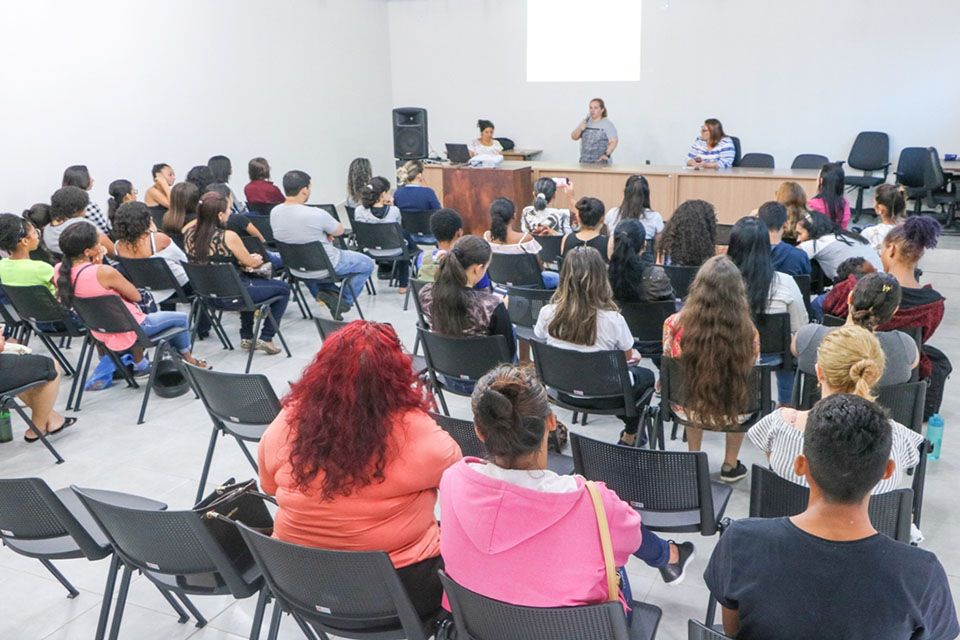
[
  {"x": 119, "y": 85},
  {"x": 786, "y": 77}
]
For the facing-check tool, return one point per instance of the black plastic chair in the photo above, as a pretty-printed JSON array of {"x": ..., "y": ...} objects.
[
  {"x": 220, "y": 283},
  {"x": 384, "y": 242},
  {"x": 8, "y": 400},
  {"x": 524, "y": 307},
  {"x": 681, "y": 277},
  {"x": 804, "y": 284},
  {"x": 757, "y": 160},
  {"x": 262, "y": 223},
  {"x": 176, "y": 551},
  {"x": 464, "y": 359},
  {"x": 905, "y": 403},
  {"x": 645, "y": 320},
  {"x": 307, "y": 261},
  {"x": 737, "y": 155},
  {"x": 261, "y": 209},
  {"x": 480, "y": 618},
  {"x": 19, "y": 330},
  {"x": 775, "y": 337},
  {"x": 870, "y": 152},
  {"x": 809, "y": 161},
  {"x": 516, "y": 270},
  {"x": 240, "y": 405},
  {"x": 723, "y": 233},
  {"x": 422, "y": 319},
  {"x": 550, "y": 250},
  {"x": 417, "y": 223},
  {"x": 699, "y": 631},
  {"x": 327, "y": 326},
  {"x": 350, "y": 594},
  {"x": 107, "y": 314}
]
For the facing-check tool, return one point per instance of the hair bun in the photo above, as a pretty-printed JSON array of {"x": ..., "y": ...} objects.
[
  {"x": 495, "y": 409},
  {"x": 866, "y": 370}
]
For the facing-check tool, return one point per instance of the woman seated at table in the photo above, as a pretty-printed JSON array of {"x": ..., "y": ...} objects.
[
  {"x": 713, "y": 149},
  {"x": 591, "y": 230},
  {"x": 541, "y": 219},
  {"x": 503, "y": 238},
  {"x": 690, "y": 237},
  {"x": 486, "y": 144},
  {"x": 636, "y": 206}
]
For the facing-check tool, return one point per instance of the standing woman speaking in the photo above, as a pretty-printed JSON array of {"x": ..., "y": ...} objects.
[{"x": 597, "y": 135}]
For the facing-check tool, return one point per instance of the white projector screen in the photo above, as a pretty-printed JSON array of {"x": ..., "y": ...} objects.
[{"x": 583, "y": 40}]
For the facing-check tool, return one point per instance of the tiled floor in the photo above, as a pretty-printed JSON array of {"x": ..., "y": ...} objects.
[{"x": 162, "y": 459}]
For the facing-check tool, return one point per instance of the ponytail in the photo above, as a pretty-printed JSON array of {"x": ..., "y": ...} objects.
[
  {"x": 544, "y": 189},
  {"x": 629, "y": 240},
  {"x": 501, "y": 214},
  {"x": 118, "y": 190},
  {"x": 409, "y": 171},
  {"x": 74, "y": 240},
  {"x": 372, "y": 191},
  {"x": 451, "y": 298},
  {"x": 865, "y": 374}
]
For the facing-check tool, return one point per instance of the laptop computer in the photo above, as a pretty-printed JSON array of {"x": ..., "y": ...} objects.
[{"x": 458, "y": 153}]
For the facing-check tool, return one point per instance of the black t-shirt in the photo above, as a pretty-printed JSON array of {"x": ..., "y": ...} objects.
[
  {"x": 789, "y": 584},
  {"x": 238, "y": 223}
]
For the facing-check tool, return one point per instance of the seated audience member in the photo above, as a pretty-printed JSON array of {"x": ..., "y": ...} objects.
[
  {"x": 220, "y": 171},
  {"x": 827, "y": 243},
  {"x": 68, "y": 206},
  {"x": 293, "y": 222},
  {"x": 354, "y": 460},
  {"x": 786, "y": 258},
  {"x": 184, "y": 199},
  {"x": 135, "y": 239},
  {"x": 500, "y": 514},
  {"x": 636, "y": 206},
  {"x": 81, "y": 274},
  {"x": 201, "y": 177},
  {"x": 829, "y": 199},
  {"x": 446, "y": 226},
  {"x": 39, "y": 216},
  {"x": 209, "y": 242},
  {"x": 78, "y": 176},
  {"x": 486, "y": 144},
  {"x": 768, "y": 291},
  {"x": 260, "y": 190},
  {"x": 121, "y": 191},
  {"x": 582, "y": 316},
  {"x": 856, "y": 267},
  {"x": 541, "y": 219},
  {"x": 503, "y": 238},
  {"x": 633, "y": 279},
  {"x": 849, "y": 360},
  {"x": 716, "y": 340},
  {"x": 891, "y": 207},
  {"x": 158, "y": 195},
  {"x": 878, "y": 587},
  {"x": 18, "y": 238},
  {"x": 713, "y": 149},
  {"x": 376, "y": 207},
  {"x": 871, "y": 303},
  {"x": 592, "y": 232},
  {"x": 17, "y": 370},
  {"x": 358, "y": 176},
  {"x": 690, "y": 237},
  {"x": 241, "y": 224},
  {"x": 794, "y": 198},
  {"x": 412, "y": 193}
]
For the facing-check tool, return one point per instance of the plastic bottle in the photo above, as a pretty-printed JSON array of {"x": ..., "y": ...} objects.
[
  {"x": 935, "y": 435},
  {"x": 6, "y": 431}
]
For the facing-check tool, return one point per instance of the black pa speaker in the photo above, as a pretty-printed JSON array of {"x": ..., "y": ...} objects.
[{"x": 410, "y": 133}]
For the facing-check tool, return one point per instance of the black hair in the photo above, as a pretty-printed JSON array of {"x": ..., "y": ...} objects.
[
  {"x": 157, "y": 168},
  {"x": 629, "y": 240},
  {"x": 220, "y": 168},
  {"x": 38, "y": 215},
  {"x": 130, "y": 222},
  {"x": 200, "y": 177},
  {"x": 295, "y": 181},
  {"x": 220, "y": 187},
  {"x": 118, "y": 190},
  {"x": 76, "y": 175},
  {"x": 690, "y": 236},
  {"x": 444, "y": 224},
  {"x": 636, "y": 199},
  {"x": 773, "y": 215},
  {"x": 501, "y": 214},
  {"x": 545, "y": 189},
  {"x": 890, "y": 196},
  {"x": 847, "y": 443},
  {"x": 448, "y": 312},
  {"x": 831, "y": 190},
  {"x": 818, "y": 225},
  {"x": 510, "y": 410},
  {"x": 74, "y": 240},
  {"x": 258, "y": 169},
  {"x": 850, "y": 266},
  {"x": 484, "y": 124},
  {"x": 66, "y": 202},
  {"x": 876, "y": 297},
  {"x": 13, "y": 229},
  {"x": 750, "y": 251},
  {"x": 914, "y": 235},
  {"x": 372, "y": 191},
  {"x": 591, "y": 211}
]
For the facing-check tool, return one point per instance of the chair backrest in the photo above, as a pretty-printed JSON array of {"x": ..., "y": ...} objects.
[
  {"x": 261, "y": 209},
  {"x": 673, "y": 390},
  {"x": 699, "y": 631},
  {"x": 345, "y": 590},
  {"x": 236, "y": 398},
  {"x": 775, "y": 337},
  {"x": 217, "y": 281},
  {"x": 913, "y": 167},
  {"x": 905, "y": 403},
  {"x": 480, "y": 618},
  {"x": 870, "y": 151},
  {"x": 418, "y": 285},
  {"x": 463, "y": 432},
  {"x": 36, "y": 304},
  {"x": 550, "y": 248},
  {"x": 649, "y": 480},
  {"x": 108, "y": 314},
  {"x": 262, "y": 223},
  {"x": 597, "y": 374},
  {"x": 681, "y": 277},
  {"x": 645, "y": 319},
  {"x": 518, "y": 270},
  {"x": 936, "y": 180},
  {"x": 253, "y": 244},
  {"x": 736, "y": 150},
  {"x": 804, "y": 284},
  {"x": 723, "y": 233},
  {"x": 463, "y": 358},
  {"x": 329, "y": 208},
  {"x": 328, "y": 326},
  {"x": 809, "y": 161},
  {"x": 757, "y": 160},
  {"x": 351, "y": 214},
  {"x": 416, "y": 222},
  {"x": 304, "y": 258},
  {"x": 526, "y": 303},
  {"x": 152, "y": 274},
  {"x": 381, "y": 239},
  {"x": 833, "y": 321}
]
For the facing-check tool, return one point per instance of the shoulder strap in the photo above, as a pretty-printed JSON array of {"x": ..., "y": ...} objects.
[
  {"x": 82, "y": 269},
  {"x": 613, "y": 589}
]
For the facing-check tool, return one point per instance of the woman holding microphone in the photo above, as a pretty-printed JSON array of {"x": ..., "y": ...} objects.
[{"x": 597, "y": 135}]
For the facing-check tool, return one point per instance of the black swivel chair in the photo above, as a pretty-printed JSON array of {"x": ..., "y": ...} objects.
[
  {"x": 465, "y": 360},
  {"x": 870, "y": 152},
  {"x": 757, "y": 161},
  {"x": 809, "y": 161},
  {"x": 737, "y": 151},
  {"x": 517, "y": 270},
  {"x": 681, "y": 277}
]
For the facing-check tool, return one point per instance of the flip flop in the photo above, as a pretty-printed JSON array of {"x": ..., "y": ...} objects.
[{"x": 67, "y": 422}]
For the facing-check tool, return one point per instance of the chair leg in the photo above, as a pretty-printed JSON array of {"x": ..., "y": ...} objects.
[
  {"x": 57, "y": 354},
  {"x": 275, "y": 621},
  {"x": 91, "y": 349},
  {"x": 201, "y": 621},
  {"x": 43, "y": 437},
  {"x": 583, "y": 419},
  {"x": 307, "y": 629},
  {"x": 406, "y": 297},
  {"x": 298, "y": 297},
  {"x": 262, "y": 599},
  {"x": 184, "y": 617},
  {"x": 77, "y": 378},
  {"x": 443, "y": 401},
  {"x": 246, "y": 452},
  {"x": 71, "y": 591},
  {"x": 276, "y": 327},
  {"x": 107, "y": 597},
  {"x": 253, "y": 343},
  {"x": 206, "y": 463},
  {"x": 711, "y": 611},
  {"x": 574, "y": 418},
  {"x": 157, "y": 354},
  {"x": 121, "y": 603}
]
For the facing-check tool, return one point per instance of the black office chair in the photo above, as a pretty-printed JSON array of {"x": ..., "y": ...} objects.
[
  {"x": 516, "y": 270},
  {"x": 524, "y": 308},
  {"x": 922, "y": 178},
  {"x": 384, "y": 242},
  {"x": 757, "y": 161},
  {"x": 417, "y": 223},
  {"x": 645, "y": 320},
  {"x": 681, "y": 277},
  {"x": 723, "y": 233},
  {"x": 809, "y": 161},
  {"x": 465, "y": 360},
  {"x": 480, "y": 618},
  {"x": 550, "y": 250},
  {"x": 306, "y": 262},
  {"x": 737, "y": 153},
  {"x": 8, "y": 400},
  {"x": 870, "y": 152}
]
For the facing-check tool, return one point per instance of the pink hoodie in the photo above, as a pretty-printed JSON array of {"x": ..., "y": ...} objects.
[{"x": 529, "y": 547}]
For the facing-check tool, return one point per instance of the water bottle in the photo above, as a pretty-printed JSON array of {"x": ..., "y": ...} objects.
[
  {"x": 6, "y": 431},
  {"x": 935, "y": 435}
]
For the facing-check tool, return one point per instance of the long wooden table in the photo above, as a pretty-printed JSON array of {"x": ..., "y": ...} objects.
[{"x": 733, "y": 192}]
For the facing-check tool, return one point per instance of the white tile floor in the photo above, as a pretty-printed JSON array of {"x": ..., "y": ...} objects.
[{"x": 162, "y": 459}]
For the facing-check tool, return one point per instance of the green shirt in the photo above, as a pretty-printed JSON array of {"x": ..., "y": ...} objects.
[{"x": 24, "y": 273}]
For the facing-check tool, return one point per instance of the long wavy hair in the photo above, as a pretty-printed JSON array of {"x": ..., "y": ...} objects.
[
  {"x": 343, "y": 409},
  {"x": 690, "y": 237},
  {"x": 184, "y": 198},
  {"x": 629, "y": 240},
  {"x": 582, "y": 293},
  {"x": 717, "y": 344},
  {"x": 750, "y": 251},
  {"x": 212, "y": 204},
  {"x": 358, "y": 175},
  {"x": 131, "y": 221},
  {"x": 451, "y": 297},
  {"x": 794, "y": 198}
]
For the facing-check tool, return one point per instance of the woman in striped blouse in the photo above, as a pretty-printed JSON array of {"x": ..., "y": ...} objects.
[
  {"x": 713, "y": 149},
  {"x": 849, "y": 360}
]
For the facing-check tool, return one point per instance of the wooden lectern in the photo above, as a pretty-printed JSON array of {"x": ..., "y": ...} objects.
[{"x": 470, "y": 191}]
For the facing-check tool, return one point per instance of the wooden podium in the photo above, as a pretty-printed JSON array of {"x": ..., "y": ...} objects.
[{"x": 470, "y": 191}]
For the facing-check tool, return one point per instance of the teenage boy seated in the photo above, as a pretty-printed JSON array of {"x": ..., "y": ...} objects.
[
  {"x": 827, "y": 573},
  {"x": 446, "y": 226},
  {"x": 786, "y": 259}
]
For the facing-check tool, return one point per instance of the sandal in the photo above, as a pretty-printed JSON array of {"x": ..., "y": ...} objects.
[
  {"x": 67, "y": 422},
  {"x": 200, "y": 363}
]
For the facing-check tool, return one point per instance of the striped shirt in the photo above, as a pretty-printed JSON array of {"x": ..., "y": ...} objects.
[
  {"x": 723, "y": 154},
  {"x": 783, "y": 442}
]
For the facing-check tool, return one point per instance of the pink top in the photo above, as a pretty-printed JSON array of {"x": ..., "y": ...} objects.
[
  {"x": 86, "y": 285},
  {"x": 817, "y": 204},
  {"x": 529, "y": 547}
]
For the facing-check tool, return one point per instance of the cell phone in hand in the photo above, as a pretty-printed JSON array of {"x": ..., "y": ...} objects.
[{"x": 561, "y": 182}]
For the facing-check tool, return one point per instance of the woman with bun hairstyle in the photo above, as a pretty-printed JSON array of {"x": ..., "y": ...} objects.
[
  {"x": 121, "y": 191},
  {"x": 377, "y": 207},
  {"x": 541, "y": 219},
  {"x": 592, "y": 231},
  {"x": 508, "y": 519},
  {"x": 413, "y": 194},
  {"x": 486, "y": 144},
  {"x": 849, "y": 360}
]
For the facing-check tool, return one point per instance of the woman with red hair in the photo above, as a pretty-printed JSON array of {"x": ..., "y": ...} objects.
[{"x": 355, "y": 461}]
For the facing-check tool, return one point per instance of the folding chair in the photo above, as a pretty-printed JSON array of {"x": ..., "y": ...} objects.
[
  {"x": 461, "y": 360},
  {"x": 8, "y": 400},
  {"x": 310, "y": 261},
  {"x": 386, "y": 243},
  {"x": 681, "y": 277},
  {"x": 517, "y": 270}
]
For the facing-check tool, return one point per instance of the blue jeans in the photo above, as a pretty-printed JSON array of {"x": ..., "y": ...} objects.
[
  {"x": 261, "y": 289},
  {"x": 156, "y": 322},
  {"x": 274, "y": 259},
  {"x": 315, "y": 287},
  {"x": 550, "y": 279},
  {"x": 784, "y": 378},
  {"x": 358, "y": 264},
  {"x": 654, "y": 550}
]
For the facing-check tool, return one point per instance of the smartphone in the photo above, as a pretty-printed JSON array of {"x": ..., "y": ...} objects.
[{"x": 561, "y": 182}]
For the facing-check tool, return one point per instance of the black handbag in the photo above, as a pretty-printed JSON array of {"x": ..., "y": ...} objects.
[{"x": 242, "y": 502}]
